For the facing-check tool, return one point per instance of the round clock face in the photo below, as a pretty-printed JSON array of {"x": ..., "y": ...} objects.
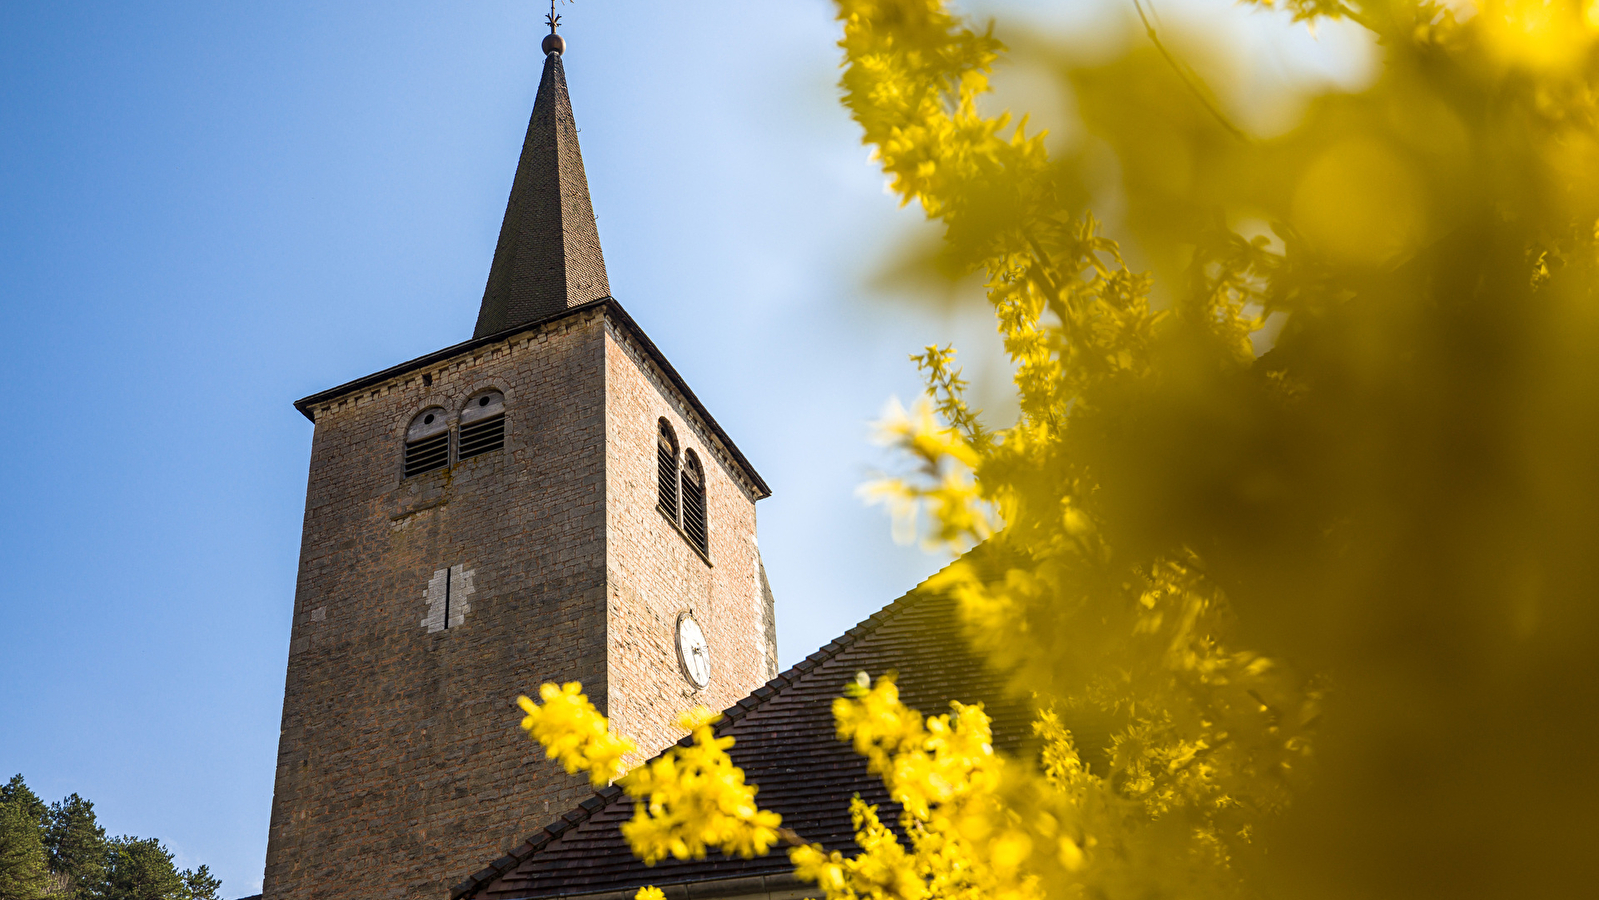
[{"x": 692, "y": 651}]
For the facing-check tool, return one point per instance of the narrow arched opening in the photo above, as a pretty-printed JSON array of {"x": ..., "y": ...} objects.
[
  {"x": 666, "y": 457},
  {"x": 427, "y": 442},
  {"x": 482, "y": 425},
  {"x": 694, "y": 525}
]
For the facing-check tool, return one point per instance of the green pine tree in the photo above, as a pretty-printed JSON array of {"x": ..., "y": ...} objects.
[
  {"x": 24, "y": 867},
  {"x": 59, "y": 851},
  {"x": 142, "y": 869},
  {"x": 17, "y": 791},
  {"x": 77, "y": 846},
  {"x": 201, "y": 885}
]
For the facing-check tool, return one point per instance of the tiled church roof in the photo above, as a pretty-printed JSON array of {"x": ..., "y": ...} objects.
[
  {"x": 548, "y": 256},
  {"x": 786, "y": 744}
]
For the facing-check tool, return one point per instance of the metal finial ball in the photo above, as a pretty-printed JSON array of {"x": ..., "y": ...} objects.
[{"x": 554, "y": 43}]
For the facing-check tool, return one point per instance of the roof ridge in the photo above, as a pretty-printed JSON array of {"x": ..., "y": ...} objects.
[{"x": 752, "y": 701}]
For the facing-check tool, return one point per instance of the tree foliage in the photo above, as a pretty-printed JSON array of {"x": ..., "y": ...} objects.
[
  {"x": 1379, "y": 518},
  {"x": 17, "y": 793},
  {"x": 77, "y": 845},
  {"x": 142, "y": 869},
  {"x": 1330, "y": 583},
  {"x": 59, "y": 850},
  {"x": 24, "y": 871}
]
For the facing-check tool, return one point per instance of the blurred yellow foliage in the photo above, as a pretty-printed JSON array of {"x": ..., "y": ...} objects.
[
  {"x": 1360, "y": 203},
  {"x": 1330, "y": 591},
  {"x": 946, "y": 490}
]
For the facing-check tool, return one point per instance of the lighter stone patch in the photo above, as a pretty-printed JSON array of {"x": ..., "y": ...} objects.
[{"x": 448, "y": 589}]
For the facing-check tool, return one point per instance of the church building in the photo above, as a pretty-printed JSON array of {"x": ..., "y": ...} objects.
[{"x": 548, "y": 501}]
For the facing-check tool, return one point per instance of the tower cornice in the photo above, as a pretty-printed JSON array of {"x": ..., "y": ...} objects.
[{"x": 308, "y": 406}]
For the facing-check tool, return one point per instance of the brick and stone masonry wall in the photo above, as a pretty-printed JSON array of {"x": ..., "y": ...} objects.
[
  {"x": 655, "y": 573},
  {"x": 401, "y": 768}
]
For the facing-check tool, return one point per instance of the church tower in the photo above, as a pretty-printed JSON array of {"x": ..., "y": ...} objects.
[{"x": 547, "y": 501}]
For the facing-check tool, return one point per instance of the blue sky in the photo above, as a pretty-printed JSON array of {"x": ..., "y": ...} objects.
[{"x": 210, "y": 210}]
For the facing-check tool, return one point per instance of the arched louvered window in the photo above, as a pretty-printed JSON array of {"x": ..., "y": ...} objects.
[
  {"x": 427, "y": 442},
  {"x": 482, "y": 425},
  {"x": 666, "y": 454},
  {"x": 694, "y": 502}
]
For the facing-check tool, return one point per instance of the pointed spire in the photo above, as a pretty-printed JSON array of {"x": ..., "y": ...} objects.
[{"x": 548, "y": 257}]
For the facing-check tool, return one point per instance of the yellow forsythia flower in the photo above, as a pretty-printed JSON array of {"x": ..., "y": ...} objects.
[
  {"x": 944, "y": 773},
  {"x": 574, "y": 732},
  {"x": 693, "y": 798}
]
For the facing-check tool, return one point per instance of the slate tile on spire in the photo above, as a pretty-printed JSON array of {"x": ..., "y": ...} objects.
[{"x": 548, "y": 257}]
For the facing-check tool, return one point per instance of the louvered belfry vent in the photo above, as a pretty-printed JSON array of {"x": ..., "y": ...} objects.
[
  {"x": 427, "y": 442},
  {"x": 482, "y": 425},
  {"x": 427, "y": 455},
  {"x": 483, "y": 436},
  {"x": 694, "y": 502},
  {"x": 666, "y": 452}
]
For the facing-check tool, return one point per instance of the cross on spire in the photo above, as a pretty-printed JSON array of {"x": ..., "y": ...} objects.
[{"x": 553, "y": 43}]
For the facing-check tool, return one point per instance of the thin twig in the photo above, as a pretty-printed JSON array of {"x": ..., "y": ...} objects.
[
  {"x": 1189, "y": 80},
  {"x": 791, "y": 837},
  {"x": 1358, "y": 18}
]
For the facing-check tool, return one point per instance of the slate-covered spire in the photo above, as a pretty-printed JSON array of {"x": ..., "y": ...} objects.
[{"x": 548, "y": 257}]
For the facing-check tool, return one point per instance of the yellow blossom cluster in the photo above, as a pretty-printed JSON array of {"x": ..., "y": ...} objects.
[
  {"x": 693, "y": 798},
  {"x": 573, "y": 732},
  {"x": 956, "y": 513},
  {"x": 923, "y": 71},
  {"x": 689, "y": 798},
  {"x": 944, "y": 773}
]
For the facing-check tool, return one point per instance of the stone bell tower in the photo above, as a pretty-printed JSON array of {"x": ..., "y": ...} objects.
[{"x": 547, "y": 501}]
